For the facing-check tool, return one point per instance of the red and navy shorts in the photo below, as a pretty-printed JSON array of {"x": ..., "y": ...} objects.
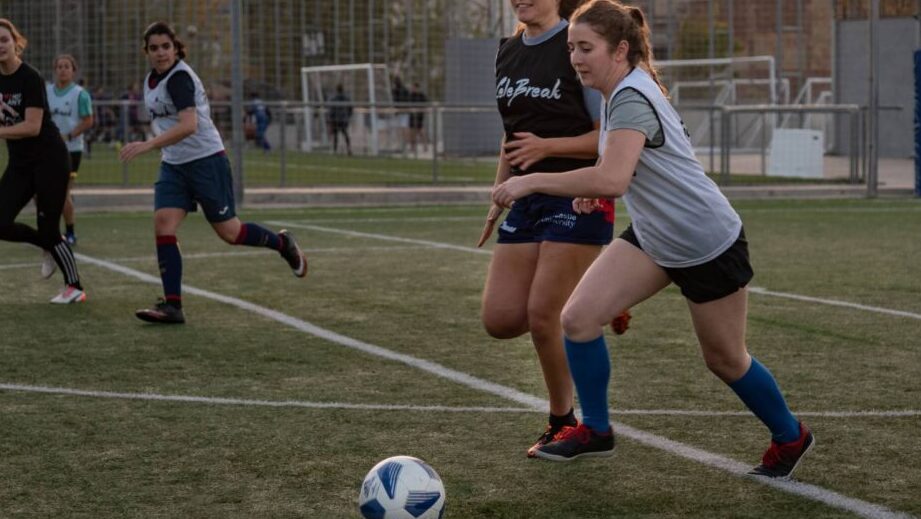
[{"x": 538, "y": 217}]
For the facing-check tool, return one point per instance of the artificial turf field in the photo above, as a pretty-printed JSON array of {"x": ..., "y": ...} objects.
[{"x": 279, "y": 394}]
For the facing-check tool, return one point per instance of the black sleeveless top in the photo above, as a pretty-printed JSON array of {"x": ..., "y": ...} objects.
[{"x": 538, "y": 91}]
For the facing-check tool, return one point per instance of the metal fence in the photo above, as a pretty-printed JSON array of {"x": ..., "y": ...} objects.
[{"x": 790, "y": 40}]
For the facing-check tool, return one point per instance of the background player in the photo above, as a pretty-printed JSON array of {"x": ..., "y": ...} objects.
[
  {"x": 194, "y": 171},
  {"x": 72, "y": 112},
  {"x": 38, "y": 164}
]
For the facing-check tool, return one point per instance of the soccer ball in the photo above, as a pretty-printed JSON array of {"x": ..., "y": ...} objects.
[{"x": 402, "y": 487}]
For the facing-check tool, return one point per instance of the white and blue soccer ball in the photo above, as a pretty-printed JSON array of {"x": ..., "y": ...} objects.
[{"x": 402, "y": 487}]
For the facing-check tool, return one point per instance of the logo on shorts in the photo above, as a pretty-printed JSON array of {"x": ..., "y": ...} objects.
[
  {"x": 223, "y": 211},
  {"x": 507, "y": 228}
]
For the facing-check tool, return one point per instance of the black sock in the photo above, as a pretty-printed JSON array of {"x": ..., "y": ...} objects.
[
  {"x": 70, "y": 229},
  {"x": 567, "y": 419}
]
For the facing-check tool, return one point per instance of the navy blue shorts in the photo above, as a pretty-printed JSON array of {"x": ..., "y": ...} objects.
[
  {"x": 538, "y": 217},
  {"x": 722, "y": 276},
  {"x": 206, "y": 182}
]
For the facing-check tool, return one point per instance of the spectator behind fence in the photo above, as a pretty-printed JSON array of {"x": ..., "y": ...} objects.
[
  {"x": 400, "y": 95},
  {"x": 260, "y": 117},
  {"x": 338, "y": 118},
  {"x": 417, "y": 133}
]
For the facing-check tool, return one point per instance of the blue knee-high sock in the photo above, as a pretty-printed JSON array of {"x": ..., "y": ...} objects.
[
  {"x": 759, "y": 391},
  {"x": 170, "y": 260},
  {"x": 254, "y": 235},
  {"x": 591, "y": 370}
]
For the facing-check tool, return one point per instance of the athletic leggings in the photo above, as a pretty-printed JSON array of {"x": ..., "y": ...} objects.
[{"x": 44, "y": 178}]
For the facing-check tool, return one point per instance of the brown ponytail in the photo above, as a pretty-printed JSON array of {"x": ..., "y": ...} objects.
[{"x": 616, "y": 22}]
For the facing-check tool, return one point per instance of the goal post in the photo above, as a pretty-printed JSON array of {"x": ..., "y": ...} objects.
[{"x": 367, "y": 87}]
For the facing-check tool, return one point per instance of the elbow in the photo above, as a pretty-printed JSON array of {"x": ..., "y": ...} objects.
[
  {"x": 34, "y": 131},
  {"x": 613, "y": 188}
]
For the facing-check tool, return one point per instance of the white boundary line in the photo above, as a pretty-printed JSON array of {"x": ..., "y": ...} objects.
[
  {"x": 357, "y": 234},
  {"x": 834, "y": 302},
  {"x": 814, "y": 492},
  {"x": 231, "y": 254},
  {"x": 256, "y": 403},
  {"x": 158, "y": 397},
  {"x": 753, "y": 290}
]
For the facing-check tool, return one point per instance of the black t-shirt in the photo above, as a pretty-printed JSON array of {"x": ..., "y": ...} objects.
[
  {"x": 538, "y": 91},
  {"x": 181, "y": 88},
  {"x": 23, "y": 89}
]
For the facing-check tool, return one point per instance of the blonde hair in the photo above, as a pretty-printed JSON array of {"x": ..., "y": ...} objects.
[
  {"x": 20, "y": 40},
  {"x": 616, "y": 22}
]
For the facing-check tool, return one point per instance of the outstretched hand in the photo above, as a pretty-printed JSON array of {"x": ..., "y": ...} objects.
[
  {"x": 491, "y": 217},
  {"x": 505, "y": 194},
  {"x": 133, "y": 149},
  {"x": 526, "y": 150}
]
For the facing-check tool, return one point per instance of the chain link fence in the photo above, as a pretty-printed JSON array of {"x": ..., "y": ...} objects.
[{"x": 433, "y": 91}]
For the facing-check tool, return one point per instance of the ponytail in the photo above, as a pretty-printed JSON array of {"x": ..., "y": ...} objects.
[{"x": 616, "y": 22}]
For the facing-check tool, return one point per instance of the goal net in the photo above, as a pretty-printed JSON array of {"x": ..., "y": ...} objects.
[
  {"x": 696, "y": 84},
  {"x": 366, "y": 86}
]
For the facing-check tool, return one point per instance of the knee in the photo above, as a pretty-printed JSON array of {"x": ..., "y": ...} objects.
[
  {"x": 544, "y": 323},
  {"x": 503, "y": 327},
  {"x": 579, "y": 325},
  {"x": 729, "y": 367}
]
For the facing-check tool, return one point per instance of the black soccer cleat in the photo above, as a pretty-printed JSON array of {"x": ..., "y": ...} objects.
[
  {"x": 781, "y": 459},
  {"x": 545, "y": 438},
  {"x": 163, "y": 312},
  {"x": 577, "y": 442},
  {"x": 293, "y": 254}
]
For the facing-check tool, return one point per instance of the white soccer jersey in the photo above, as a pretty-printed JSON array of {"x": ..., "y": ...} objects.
[
  {"x": 204, "y": 142},
  {"x": 679, "y": 215},
  {"x": 65, "y": 112}
]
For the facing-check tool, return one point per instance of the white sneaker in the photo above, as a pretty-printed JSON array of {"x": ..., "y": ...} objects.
[
  {"x": 69, "y": 295},
  {"x": 48, "y": 264}
]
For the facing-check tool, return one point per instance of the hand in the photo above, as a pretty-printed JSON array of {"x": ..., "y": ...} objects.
[
  {"x": 525, "y": 150},
  {"x": 585, "y": 205},
  {"x": 133, "y": 149},
  {"x": 494, "y": 213},
  {"x": 505, "y": 194}
]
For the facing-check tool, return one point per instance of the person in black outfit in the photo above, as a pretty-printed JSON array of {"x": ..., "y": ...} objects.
[
  {"x": 340, "y": 114},
  {"x": 417, "y": 118},
  {"x": 39, "y": 164}
]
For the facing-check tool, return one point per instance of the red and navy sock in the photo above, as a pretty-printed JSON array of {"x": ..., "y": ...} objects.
[
  {"x": 170, "y": 260},
  {"x": 253, "y": 235}
]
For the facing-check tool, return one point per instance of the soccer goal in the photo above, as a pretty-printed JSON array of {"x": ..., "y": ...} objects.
[
  {"x": 366, "y": 87},
  {"x": 695, "y": 84}
]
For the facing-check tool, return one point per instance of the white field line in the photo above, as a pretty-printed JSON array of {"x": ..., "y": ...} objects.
[
  {"x": 231, "y": 254},
  {"x": 356, "y": 234},
  {"x": 363, "y": 171},
  {"x": 257, "y": 403},
  {"x": 834, "y": 302},
  {"x": 753, "y": 290},
  {"x": 814, "y": 492},
  {"x": 248, "y": 402}
]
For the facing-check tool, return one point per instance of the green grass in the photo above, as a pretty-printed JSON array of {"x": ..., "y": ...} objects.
[
  {"x": 102, "y": 168},
  {"x": 76, "y": 456}
]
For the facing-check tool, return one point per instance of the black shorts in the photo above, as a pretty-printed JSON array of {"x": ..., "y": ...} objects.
[{"x": 722, "y": 276}]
